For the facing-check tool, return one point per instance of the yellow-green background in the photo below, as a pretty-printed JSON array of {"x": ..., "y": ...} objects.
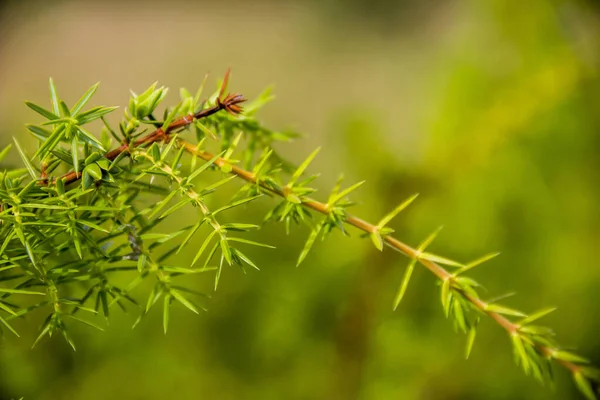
[{"x": 489, "y": 109}]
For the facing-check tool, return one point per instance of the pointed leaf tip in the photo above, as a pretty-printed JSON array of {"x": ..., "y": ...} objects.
[
  {"x": 303, "y": 167},
  {"x": 309, "y": 243},
  {"x": 385, "y": 220},
  {"x": 478, "y": 262},
  {"x": 25, "y": 159},
  {"x": 584, "y": 386},
  {"x": 537, "y": 315},
  {"x": 425, "y": 243},
  {"x": 405, "y": 281},
  {"x": 470, "y": 340}
]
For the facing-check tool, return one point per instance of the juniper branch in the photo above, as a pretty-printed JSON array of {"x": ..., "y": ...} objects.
[
  {"x": 440, "y": 272},
  {"x": 36, "y": 231}
]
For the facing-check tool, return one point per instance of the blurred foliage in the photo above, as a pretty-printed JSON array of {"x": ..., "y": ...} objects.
[{"x": 488, "y": 109}]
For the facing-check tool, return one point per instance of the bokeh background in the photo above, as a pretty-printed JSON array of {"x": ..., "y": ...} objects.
[{"x": 489, "y": 109}]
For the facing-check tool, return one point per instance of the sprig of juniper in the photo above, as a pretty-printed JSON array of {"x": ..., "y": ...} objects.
[{"x": 64, "y": 239}]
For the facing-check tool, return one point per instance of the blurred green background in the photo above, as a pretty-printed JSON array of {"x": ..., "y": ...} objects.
[{"x": 489, "y": 109}]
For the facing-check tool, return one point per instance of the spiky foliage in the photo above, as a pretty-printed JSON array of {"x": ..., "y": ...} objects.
[{"x": 76, "y": 215}]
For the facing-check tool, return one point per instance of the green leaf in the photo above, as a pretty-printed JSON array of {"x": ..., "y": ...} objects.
[
  {"x": 171, "y": 117},
  {"x": 43, "y": 112},
  {"x": 204, "y": 129},
  {"x": 25, "y": 159},
  {"x": 92, "y": 225},
  {"x": 181, "y": 270},
  {"x": 19, "y": 291},
  {"x": 265, "y": 97},
  {"x": 501, "y": 297},
  {"x": 225, "y": 250},
  {"x": 95, "y": 156},
  {"x": 293, "y": 198},
  {"x": 459, "y": 314},
  {"x": 59, "y": 121},
  {"x": 176, "y": 207},
  {"x": 568, "y": 356},
  {"x": 233, "y": 226},
  {"x": 377, "y": 240},
  {"x": 157, "y": 291},
  {"x": 180, "y": 298},
  {"x": 184, "y": 94},
  {"x": 385, "y": 220},
  {"x": 166, "y": 309},
  {"x": 235, "y": 204},
  {"x": 75, "y": 153},
  {"x": 405, "y": 281},
  {"x": 177, "y": 158},
  {"x": 148, "y": 101},
  {"x": 93, "y": 114},
  {"x": 84, "y": 99},
  {"x": 141, "y": 262},
  {"x": 104, "y": 164},
  {"x": 199, "y": 91},
  {"x": 44, "y": 331},
  {"x": 590, "y": 372},
  {"x": 521, "y": 353},
  {"x": 204, "y": 167},
  {"x": 477, "y": 262},
  {"x": 345, "y": 192},
  {"x": 471, "y": 339},
  {"x": 262, "y": 162},
  {"x": 536, "y": 330},
  {"x": 10, "y": 328},
  {"x": 439, "y": 260},
  {"x": 26, "y": 189},
  {"x": 49, "y": 144},
  {"x": 537, "y": 315},
  {"x": 88, "y": 323},
  {"x": 302, "y": 167},
  {"x": 309, "y": 243},
  {"x": 220, "y": 267},
  {"x": 7, "y": 308},
  {"x": 162, "y": 237},
  {"x": 4, "y": 152},
  {"x": 64, "y": 109},
  {"x": 87, "y": 180},
  {"x": 425, "y": 243},
  {"x": 39, "y": 132},
  {"x": 584, "y": 386},
  {"x": 244, "y": 258},
  {"x": 465, "y": 283},
  {"x": 54, "y": 97},
  {"x": 154, "y": 152},
  {"x": 90, "y": 139},
  {"x": 203, "y": 247},
  {"x": 446, "y": 296},
  {"x": 167, "y": 150},
  {"x": 211, "y": 188},
  {"x": 161, "y": 204},
  {"x": 503, "y": 310},
  {"x": 190, "y": 234},
  {"x": 251, "y": 242}
]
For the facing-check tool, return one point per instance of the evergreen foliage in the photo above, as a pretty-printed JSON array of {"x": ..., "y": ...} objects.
[{"x": 78, "y": 213}]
